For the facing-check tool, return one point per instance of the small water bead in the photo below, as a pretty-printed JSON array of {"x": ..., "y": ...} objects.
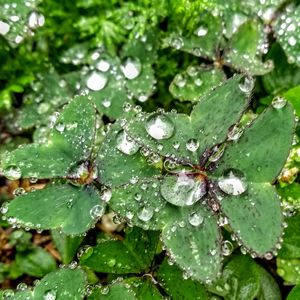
[
  {"x": 227, "y": 248},
  {"x": 170, "y": 165},
  {"x": 268, "y": 256},
  {"x": 106, "y": 195},
  {"x": 103, "y": 65},
  {"x": 192, "y": 145},
  {"x": 4, "y": 208},
  {"x": 247, "y": 84},
  {"x": 127, "y": 107},
  {"x": 145, "y": 214},
  {"x": 96, "y": 81},
  {"x": 218, "y": 152},
  {"x": 195, "y": 219},
  {"x": 233, "y": 182},
  {"x": 97, "y": 211},
  {"x": 160, "y": 127},
  {"x": 131, "y": 68},
  {"x": 125, "y": 144},
  {"x": 12, "y": 173},
  {"x": 60, "y": 127},
  {"x": 4, "y": 28},
  {"x": 182, "y": 190},
  {"x": 235, "y": 133},
  {"x": 201, "y": 31},
  {"x": 176, "y": 42},
  {"x": 198, "y": 82},
  {"x": 292, "y": 41},
  {"x": 180, "y": 81},
  {"x": 279, "y": 102},
  {"x": 36, "y": 20},
  {"x": 19, "y": 191},
  {"x": 22, "y": 286},
  {"x": 129, "y": 214},
  {"x": 105, "y": 290},
  {"x": 106, "y": 103},
  {"x": 49, "y": 295}
]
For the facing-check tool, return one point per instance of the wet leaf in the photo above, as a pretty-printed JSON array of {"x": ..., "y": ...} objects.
[{"x": 294, "y": 294}]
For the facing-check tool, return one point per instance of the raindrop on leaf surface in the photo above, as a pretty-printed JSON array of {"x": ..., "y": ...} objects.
[
  {"x": 131, "y": 68},
  {"x": 125, "y": 144},
  {"x": 233, "y": 182},
  {"x": 160, "y": 127},
  {"x": 279, "y": 102},
  {"x": 12, "y": 173},
  {"x": 96, "y": 81}
]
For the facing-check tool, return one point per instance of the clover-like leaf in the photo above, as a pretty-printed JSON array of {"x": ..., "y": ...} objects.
[
  {"x": 133, "y": 254},
  {"x": 68, "y": 208},
  {"x": 287, "y": 32},
  {"x": 70, "y": 141},
  {"x": 170, "y": 278},
  {"x": 294, "y": 294},
  {"x": 194, "y": 243},
  {"x": 195, "y": 81}
]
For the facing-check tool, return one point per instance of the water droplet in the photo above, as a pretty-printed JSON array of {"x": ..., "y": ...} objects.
[
  {"x": 218, "y": 152},
  {"x": 235, "y": 133},
  {"x": 227, "y": 248},
  {"x": 103, "y": 65},
  {"x": 233, "y": 182},
  {"x": 97, "y": 211},
  {"x": 195, "y": 219},
  {"x": 182, "y": 190},
  {"x": 125, "y": 144},
  {"x": 145, "y": 214},
  {"x": 105, "y": 290},
  {"x": 106, "y": 195},
  {"x": 279, "y": 102},
  {"x": 201, "y": 31},
  {"x": 131, "y": 68},
  {"x": 176, "y": 42},
  {"x": 96, "y": 81},
  {"x": 160, "y": 127},
  {"x": 60, "y": 127},
  {"x": 36, "y": 20},
  {"x": 268, "y": 256},
  {"x": 111, "y": 263},
  {"x": 247, "y": 84},
  {"x": 19, "y": 191},
  {"x": 292, "y": 41},
  {"x": 4, "y": 28},
  {"x": 180, "y": 81},
  {"x": 49, "y": 295},
  {"x": 22, "y": 286},
  {"x": 192, "y": 145},
  {"x": 106, "y": 103},
  {"x": 12, "y": 173}
]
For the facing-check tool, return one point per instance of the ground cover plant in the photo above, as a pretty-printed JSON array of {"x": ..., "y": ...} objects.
[{"x": 149, "y": 149}]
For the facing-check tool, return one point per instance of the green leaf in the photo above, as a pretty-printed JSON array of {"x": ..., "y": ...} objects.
[
  {"x": 115, "y": 291},
  {"x": 66, "y": 245},
  {"x": 196, "y": 249},
  {"x": 251, "y": 228},
  {"x": 244, "y": 45},
  {"x": 203, "y": 41},
  {"x": 291, "y": 240},
  {"x": 288, "y": 269},
  {"x": 287, "y": 32},
  {"x": 195, "y": 81},
  {"x": 142, "y": 204},
  {"x": 263, "y": 148},
  {"x": 71, "y": 209},
  {"x": 133, "y": 254},
  {"x": 284, "y": 76},
  {"x": 66, "y": 284},
  {"x": 171, "y": 279},
  {"x": 112, "y": 160},
  {"x": 36, "y": 262},
  {"x": 70, "y": 141},
  {"x": 294, "y": 293},
  {"x": 293, "y": 97}
]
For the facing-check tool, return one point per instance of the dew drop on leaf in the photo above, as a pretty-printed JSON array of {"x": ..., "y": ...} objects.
[
  {"x": 195, "y": 219},
  {"x": 106, "y": 103},
  {"x": 103, "y": 65},
  {"x": 192, "y": 145},
  {"x": 96, "y": 81},
  {"x": 36, "y": 20},
  {"x": 131, "y": 68},
  {"x": 60, "y": 127},
  {"x": 176, "y": 42},
  {"x": 125, "y": 144},
  {"x": 247, "y": 84},
  {"x": 227, "y": 248},
  {"x": 97, "y": 211},
  {"x": 160, "y": 127},
  {"x": 145, "y": 214},
  {"x": 233, "y": 182},
  {"x": 235, "y": 133},
  {"x": 12, "y": 173},
  {"x": 279, "y": 102},
  {"x": 4, "y": 28},
  {"x": 49, "y": 295},
  {"x": 201, "y": 31},
  {"x": 182, "y": 190},
  {"x": 19, "y": 191}
]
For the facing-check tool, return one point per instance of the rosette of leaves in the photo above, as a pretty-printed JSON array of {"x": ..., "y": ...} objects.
[
  {"x": 70, "y": 202},
  {"x": 180, "y": 174}
]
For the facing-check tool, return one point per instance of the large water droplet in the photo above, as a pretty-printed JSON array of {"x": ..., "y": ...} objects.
[
  {"x": 103, "y": 65},
  {"x": 145, "y": 214},
  {"x": 131, "y": 68},
  {"x": 201, "y": 31},
  {"x": 227, "y": 248},
  {"x": 279, "y": 102},
  {"x": 125, "y": 144},
  {"x": 195, "y": 219},
  {"x": 182, "y": 190},
  {"x": 96, "y": 81},
  {"x": 192, "y": 145},
  {"x": 4, "y": 28},
  {"x": 12, "y": 173},
  {"x": 49, "y": 295},
  {"x": 97, "y": 211},
  {"x": 36, "y": 20},
  {"x": 247, "y": 84},
  {"x": 233, "y": 182},
  {"x": 160, "y": 127},
  {"x": 176, "y": 42}
]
